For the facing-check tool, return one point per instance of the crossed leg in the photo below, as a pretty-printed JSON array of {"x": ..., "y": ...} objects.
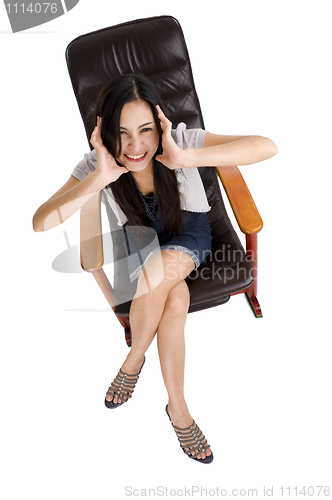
[
  {"x": 160, "y": 274},
  {"x": 171, "y": 348},
  {"x": 161, "y": 304}
]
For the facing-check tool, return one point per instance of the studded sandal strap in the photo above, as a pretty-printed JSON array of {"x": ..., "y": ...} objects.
[
  {"x": 191, "y": 438},
  {"x": 123, "y": 385}
]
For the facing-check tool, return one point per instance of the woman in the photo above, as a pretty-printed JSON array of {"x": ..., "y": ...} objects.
[{"x": 149, "y": 175}]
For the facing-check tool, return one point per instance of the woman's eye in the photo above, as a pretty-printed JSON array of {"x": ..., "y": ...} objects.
[
  {"x": 122, "y": 132},
  {"x": 146, "y": 129}
]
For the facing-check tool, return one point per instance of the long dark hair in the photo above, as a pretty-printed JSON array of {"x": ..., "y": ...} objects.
[{"x": 113, "y": 96}]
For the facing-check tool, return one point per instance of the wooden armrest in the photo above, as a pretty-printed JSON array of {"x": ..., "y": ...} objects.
[
  {"x": 241, "y": 201},
  {"x": 92, "y": 257}
]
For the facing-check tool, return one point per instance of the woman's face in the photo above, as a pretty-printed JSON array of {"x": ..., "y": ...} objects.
[{"x": 139, "y": 136}]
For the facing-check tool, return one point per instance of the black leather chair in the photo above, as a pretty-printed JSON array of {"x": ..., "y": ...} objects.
[{"x": 156, "y": 48}]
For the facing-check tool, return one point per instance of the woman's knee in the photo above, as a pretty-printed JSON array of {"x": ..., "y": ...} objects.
[
  {"x": 178, "y": 299},
  {"x": 166, "y": 268},
  {"x": 177, "y": 265},
  {"x": 162, "y": 272}
]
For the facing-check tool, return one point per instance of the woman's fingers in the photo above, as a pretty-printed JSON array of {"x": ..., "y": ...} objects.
[
  {"x": 93, "y": 137},
  {"x": 162, "y": 117},
  {"x": 106, "y": 164},
  {"x": 96, "y": 139},
  {"x": 165, "y": 122}
]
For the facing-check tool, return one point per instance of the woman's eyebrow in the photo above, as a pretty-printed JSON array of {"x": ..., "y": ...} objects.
[{"x": 143, "y": 125}]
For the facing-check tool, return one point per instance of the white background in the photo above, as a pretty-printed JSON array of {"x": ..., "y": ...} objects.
[{"x": 260, "y": 389}]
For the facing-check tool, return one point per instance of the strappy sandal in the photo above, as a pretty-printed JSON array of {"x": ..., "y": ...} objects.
[
  {"x": 192, "y": 441},
  {"x": 122, "y": 387}
]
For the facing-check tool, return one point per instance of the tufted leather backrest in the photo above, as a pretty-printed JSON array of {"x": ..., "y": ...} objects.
[{"x": 154, "y": 47}]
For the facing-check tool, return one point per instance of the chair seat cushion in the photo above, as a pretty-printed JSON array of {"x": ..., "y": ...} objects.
[{"x": 210, "y": 285}]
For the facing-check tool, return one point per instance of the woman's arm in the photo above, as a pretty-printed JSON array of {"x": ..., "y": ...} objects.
[
  {"x": 74, "y": 194},
  {"x": 65, "y": 202},
  {"x": 230, "y": 151},
  {"x": 218, "y": 150}
]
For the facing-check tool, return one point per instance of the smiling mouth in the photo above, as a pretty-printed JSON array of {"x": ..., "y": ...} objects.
[{"x": 136, "y": 158}]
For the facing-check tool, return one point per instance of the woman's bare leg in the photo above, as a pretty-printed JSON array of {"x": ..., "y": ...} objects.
[
  {"x": 161, "y": 303},
  {"x": 161, "y": 273},
  {"x": 171, "y": 348}
]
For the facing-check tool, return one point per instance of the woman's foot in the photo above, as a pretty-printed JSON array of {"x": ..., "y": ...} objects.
[
  {"x": 181, "y": 418},
  {"x": 131, "y": 366}
]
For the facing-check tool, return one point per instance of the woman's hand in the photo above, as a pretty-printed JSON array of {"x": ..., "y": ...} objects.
[
  {"x": 173, "y": 156},
  {"x": 106, "y": 167}
]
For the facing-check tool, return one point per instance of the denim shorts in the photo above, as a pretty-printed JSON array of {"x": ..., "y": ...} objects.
[{"x": 143, "y": 242}]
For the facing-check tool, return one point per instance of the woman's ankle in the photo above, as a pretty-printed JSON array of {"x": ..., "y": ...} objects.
[
  {"x": 178, "y": 407},
  {"x": 179, "y": 414},
  {"x": 134, "y": 361}
]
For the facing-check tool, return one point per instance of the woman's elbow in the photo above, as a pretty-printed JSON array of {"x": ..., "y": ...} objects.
[
  {"x": 37, "y": 225},
  {"x": 43, "y": 220},
  {"x": 270, "y": 147},
  {"x": 39, "y": 220},
  {"x": 273, "y": 147},
  {"x": 265, "y": 148}
]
